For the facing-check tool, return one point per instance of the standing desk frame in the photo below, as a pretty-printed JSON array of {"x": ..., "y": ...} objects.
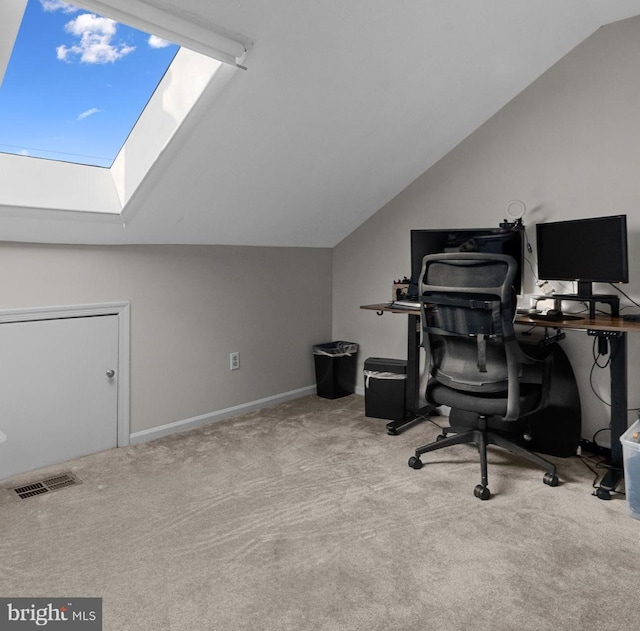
[{"x": 614, "y": 328}]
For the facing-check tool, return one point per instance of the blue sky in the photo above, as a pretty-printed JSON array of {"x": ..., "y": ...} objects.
[{"x": 76, "y": 84}]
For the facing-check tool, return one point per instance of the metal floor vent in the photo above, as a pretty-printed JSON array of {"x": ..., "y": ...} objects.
[{"x": 47, "y": 485}]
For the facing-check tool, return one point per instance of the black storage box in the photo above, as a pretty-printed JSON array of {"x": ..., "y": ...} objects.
[
  {"x": 336, "y": 366},
  {"x": 385, "y": 383}
]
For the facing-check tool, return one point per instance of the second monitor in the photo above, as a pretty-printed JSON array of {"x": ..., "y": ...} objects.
[{"x": 490, "y": 240}]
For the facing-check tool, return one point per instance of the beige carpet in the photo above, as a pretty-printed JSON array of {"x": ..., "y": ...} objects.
[{"x": 305, "y": 516}]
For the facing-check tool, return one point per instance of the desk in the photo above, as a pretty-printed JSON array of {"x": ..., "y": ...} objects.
[{"x": 615, "y": 329}]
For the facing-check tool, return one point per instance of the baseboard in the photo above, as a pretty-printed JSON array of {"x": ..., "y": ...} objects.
[{"x": 213, "y": 417}]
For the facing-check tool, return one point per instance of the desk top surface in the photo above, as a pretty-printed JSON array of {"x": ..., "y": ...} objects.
[{"x": 599, "y": 323}]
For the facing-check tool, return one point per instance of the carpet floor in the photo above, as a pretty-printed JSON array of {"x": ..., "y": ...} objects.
[{"x": 305, "y": 516}]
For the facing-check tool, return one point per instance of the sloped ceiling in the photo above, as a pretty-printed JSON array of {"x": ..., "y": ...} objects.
[{"x": 343, "y": 105}]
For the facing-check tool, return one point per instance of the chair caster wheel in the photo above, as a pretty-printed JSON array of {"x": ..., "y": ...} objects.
[
  {"x": 603, "y": 494},
  {"x": 482, "y": 492},
  {"x": 440, "y": 437},
  {"x": 550, "y": 479},
  {"x": 415, "y": 463}
]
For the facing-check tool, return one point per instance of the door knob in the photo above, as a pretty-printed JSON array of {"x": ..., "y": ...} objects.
[{"x": 111, "y": 374}]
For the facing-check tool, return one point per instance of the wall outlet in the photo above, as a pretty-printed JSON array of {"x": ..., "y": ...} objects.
[{"x": 234, "y": 361}]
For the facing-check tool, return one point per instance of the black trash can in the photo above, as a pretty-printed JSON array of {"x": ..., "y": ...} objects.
[
  {"x": 385, "y": 382},
  {"x": 336, "y": 365}
]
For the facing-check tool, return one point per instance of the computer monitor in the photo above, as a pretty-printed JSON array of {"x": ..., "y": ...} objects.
[
  {"x": 491, "y": 240},
  {"x": 587, "y": 251}
]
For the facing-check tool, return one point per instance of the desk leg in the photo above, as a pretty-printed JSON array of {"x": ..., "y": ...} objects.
[
  {"x": 414, "y": 413},
  {"x": 618, "y": 376},
  {"x": 413, "y": 364}
]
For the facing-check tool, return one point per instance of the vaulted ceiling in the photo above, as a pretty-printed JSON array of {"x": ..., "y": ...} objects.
[{"x": 343, "y": 104}]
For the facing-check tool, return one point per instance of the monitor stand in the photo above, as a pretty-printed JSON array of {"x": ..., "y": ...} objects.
[{"x": 585, "y": 294}]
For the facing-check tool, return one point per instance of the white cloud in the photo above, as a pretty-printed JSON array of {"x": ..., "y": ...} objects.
[
  {"x": 96, "y": 44},
  {"x": 157, "y": 42},
  {"x": 58, "y": 5},
  {"x": 87, "y": 113},
  {"x": 89, "y": 23}
]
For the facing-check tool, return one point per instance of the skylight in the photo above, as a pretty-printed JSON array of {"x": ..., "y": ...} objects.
[
  {"x": 76, "y": 83},
  {"x": 68, "y": 185}
]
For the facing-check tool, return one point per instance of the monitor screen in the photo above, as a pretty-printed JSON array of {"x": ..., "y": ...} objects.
[
  {"x": 491, "y": 240},
  {"x": 584, "y": 250}
]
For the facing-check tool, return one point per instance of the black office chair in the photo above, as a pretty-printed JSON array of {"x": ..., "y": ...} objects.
[{"x": 476, "y": 365}]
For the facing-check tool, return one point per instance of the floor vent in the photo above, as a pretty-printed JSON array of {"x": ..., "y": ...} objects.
[{"x": 47, "y": 485}]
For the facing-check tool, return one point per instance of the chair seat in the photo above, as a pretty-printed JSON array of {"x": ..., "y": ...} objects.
[{"x": 494, "y": 404}]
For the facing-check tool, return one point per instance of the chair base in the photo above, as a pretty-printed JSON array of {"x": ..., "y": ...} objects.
[{"x": 482, "y": 437}]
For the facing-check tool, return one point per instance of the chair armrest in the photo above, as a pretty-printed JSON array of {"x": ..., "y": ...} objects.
[
  {"x": 537, "y": 370},
  {"x": 530, "y": 370}
]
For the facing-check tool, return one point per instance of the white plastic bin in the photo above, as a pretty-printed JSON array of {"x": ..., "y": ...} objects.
[{"x": 631, "y": 452}]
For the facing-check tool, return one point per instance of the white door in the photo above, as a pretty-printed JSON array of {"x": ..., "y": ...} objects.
[{"x": 58, "y": 390}]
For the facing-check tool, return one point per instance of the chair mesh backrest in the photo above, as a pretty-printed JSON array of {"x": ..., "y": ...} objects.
[{"x": 468, "y": 309}]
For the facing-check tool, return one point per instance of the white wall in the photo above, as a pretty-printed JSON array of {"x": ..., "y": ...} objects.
[
  {"x": 190, "y": 307},
  {"x": 568, "y": 146}
]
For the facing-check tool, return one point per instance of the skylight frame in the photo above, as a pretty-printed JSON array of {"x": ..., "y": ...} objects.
[{"x": 76, "y": 191}]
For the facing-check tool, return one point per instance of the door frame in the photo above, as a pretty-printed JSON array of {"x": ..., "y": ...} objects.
[{"x": 119, "y": 309}]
